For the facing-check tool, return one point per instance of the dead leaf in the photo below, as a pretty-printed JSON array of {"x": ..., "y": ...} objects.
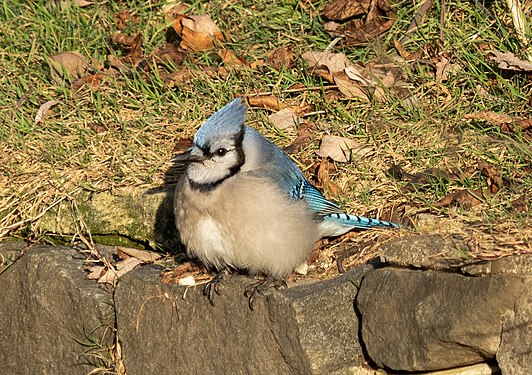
[
  {"x": 266, "y": 101},
  {"x": 334, "y": 62},
  {"x": 342, "y": 149},
  {"x": 197, "y": 32},
  {"x": 280, "y": 58},
  {"x": 122, "y": 267},
  {"x": 356, "y": 74},
  {"x": 43, "y": 110},
  {"x": 142, "y": 255},
  {"x": 125, "y": 18},
  {"x": 508, "y": 61},
  {"x": 184, "y": 271},
  {"x": 185, "y": 74},
  {"x": 445, "y": 69},
  {"x": 173, "y": 8},
  {"x": 348, "y": 87},
  {"x": 323, "y": 179},
  {"x": 495, "y": 182},
  {"x": 68, "y": 65},
  {"x": 342, "y": 10},
  {"x": 82, "y": 3},
  {"x": 133, "y": 44},
  {"x": 95, "y": 272},
  {"x": 182, "y": 145},
  {"x": 423, "y": 180},
  {"x": 285, "y": 119},
  {"x": 506, "y": 122},
  {"x": 305, "y": 135},
  {"x": 94, "y": 80},
  {"x": 229, "y": 58},
  {"x": 169, "y": 53},
  {"x": 97, "y": 128},
  {"x": 464, "y": 198},
  {"x": 363, "y": 20}
]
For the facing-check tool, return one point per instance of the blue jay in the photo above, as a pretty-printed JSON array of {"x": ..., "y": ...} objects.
[{"x": 243, "y": 204}]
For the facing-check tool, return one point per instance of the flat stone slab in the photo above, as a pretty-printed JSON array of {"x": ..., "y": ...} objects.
[
  {"x": 305, "y": 329},
  {"x": 426, "y": 320},
  {"x": 52, "y": 319}
]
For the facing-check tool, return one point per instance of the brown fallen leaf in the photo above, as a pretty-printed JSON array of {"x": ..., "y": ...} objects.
[
  {"x": 334, "y": 62},
  {"x": 132, "y": 44},
  {"x": 464, "y": 198},
  {"x": 323, "y": 179},
  {"x": 125, "y": 18},
  {"x": 423, "y": 180},
  {"x": 342, "y": 10},
  {"x": 43, "y": 110},
  {"x": 182, "y": 145},
  {"x": 94, "y": 80},
  {"x": 280, "y": 58},
  {"x": 122, "y": 267},
  {"x": 172, "y": 8},
  {"x": 95, "y": 272},
  {"x": 363, "y": 20},
  {"x": 185, "y": 271},
  {"x": 305, "y": 135},
  {"x": 68, "y": 65},
  {"x": 142, "y": 255},
  {"x": 342, "y": 149},
  {"x": 197, "y": 32},
  {"x": 495, "y": 182},
  {"x": 445, "y": 69},
  {"x": 169, "y": 53},
  {"x": 97, "y": 128},
  {"x": 229, "y": 58},
  {"x": 348, "y": 87},
  {"x": 506, "y": 122},
  {"x": 285, "y": 119},
  {"x": 82, "y": 3},
  {"x": 266, "y": 101},
  {"x": 508, "y": 61}
]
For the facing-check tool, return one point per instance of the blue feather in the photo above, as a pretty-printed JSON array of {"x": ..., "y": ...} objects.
[{"x": 225, "y": 123}]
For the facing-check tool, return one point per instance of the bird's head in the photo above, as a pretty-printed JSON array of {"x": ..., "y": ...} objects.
[{"x": 217, "y": 153}]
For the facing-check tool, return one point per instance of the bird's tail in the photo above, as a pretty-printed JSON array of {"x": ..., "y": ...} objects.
[{"x": 336, "y": 224}]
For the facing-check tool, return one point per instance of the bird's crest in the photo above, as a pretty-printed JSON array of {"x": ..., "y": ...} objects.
[{"x": 225, "y": 123}]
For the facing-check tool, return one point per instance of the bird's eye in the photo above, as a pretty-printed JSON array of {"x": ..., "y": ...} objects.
[{"x": 221, "y": 151}]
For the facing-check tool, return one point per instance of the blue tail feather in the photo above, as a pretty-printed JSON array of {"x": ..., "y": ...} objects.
[{"x": 359, "y": 222}]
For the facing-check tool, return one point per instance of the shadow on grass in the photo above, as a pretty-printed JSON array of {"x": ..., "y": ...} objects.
[{"x": 165, "y": 231}]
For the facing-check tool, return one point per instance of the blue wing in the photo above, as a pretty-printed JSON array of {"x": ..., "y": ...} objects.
[{"x": 284, "y": 172}]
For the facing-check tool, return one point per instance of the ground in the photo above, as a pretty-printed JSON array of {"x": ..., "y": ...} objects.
[{"x": 444, "y": 133}]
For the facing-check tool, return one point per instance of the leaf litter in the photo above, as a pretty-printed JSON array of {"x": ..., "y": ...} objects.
[{"x": 355, "y": 23}]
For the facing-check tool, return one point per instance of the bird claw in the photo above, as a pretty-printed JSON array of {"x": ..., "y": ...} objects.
[
  {"x": 260, "y": 287},
  {"x": 213, "y": 287}
]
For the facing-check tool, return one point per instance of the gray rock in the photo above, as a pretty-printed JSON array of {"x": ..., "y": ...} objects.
[
  {"x": 305, "y": 329},
  {"x": 53, "y": 320},
  {"x": 515, "y": 264},
  {"x": 10, "y": 251},
  {"x": 515, "y": 352},
  {"x": 427, "y": 320},
  {"x": 434, "y": 252}
]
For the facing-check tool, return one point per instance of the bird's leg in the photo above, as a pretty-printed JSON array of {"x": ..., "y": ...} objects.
[
  {"x": 213, "y": 287},
  {"x": 261, "y": 286}
]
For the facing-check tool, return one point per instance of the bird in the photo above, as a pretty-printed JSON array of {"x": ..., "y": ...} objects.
[{"x": 242, "y": 204}]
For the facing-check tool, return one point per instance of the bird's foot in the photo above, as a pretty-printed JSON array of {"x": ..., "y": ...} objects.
[
  {"x": 213, "y": 287},
  {"x": 260, "y": 287}
]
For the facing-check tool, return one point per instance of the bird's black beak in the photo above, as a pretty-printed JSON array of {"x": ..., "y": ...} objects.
[{"x": 193, "y": 154}]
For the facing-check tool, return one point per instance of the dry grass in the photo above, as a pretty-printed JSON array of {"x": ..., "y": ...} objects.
[{"x": 143, "y": 117}]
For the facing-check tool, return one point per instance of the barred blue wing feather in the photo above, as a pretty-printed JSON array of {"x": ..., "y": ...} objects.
[
  {"x": 360, "y": 222},
  {"x": 315, "y": 200}
]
